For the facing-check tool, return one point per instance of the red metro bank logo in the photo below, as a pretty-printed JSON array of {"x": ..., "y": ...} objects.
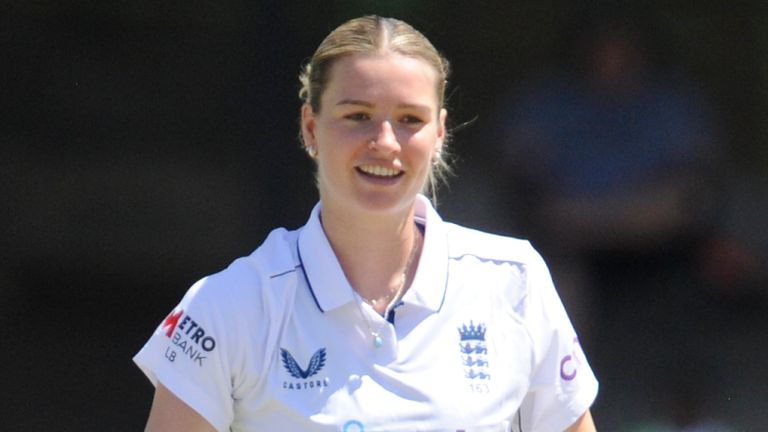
[
  {"x": 188, "y": 337},
  {"x": 171, "y": 322}
]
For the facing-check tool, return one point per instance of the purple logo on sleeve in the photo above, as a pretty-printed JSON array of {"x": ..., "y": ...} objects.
[{"x": 569, "y": 365}]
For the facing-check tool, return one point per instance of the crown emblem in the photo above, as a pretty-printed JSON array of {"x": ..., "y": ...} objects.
[{"x": 473, "y": 332}]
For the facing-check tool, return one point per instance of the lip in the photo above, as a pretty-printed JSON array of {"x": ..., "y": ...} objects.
[
  {"x": 379, "y": 174},
  {"x": 379, "y": 170}
]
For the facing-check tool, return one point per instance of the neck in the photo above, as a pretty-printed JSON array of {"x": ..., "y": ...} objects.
[{"x": 378, "y": 253}]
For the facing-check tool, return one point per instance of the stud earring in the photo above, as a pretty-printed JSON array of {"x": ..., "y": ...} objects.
[
  {"x": 372, "y": 144},
  {"x": 311, "y": 151},
  {"x": 436, "y": 158}
]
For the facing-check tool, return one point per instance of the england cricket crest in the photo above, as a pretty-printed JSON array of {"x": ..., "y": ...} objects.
[{"x": 474, "y": 352}]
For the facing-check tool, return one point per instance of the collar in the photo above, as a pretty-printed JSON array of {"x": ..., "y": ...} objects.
[{"x": 331, "y": 289}]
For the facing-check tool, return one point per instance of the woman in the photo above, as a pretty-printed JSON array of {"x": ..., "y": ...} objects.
[{"x": 376, "y": 315}]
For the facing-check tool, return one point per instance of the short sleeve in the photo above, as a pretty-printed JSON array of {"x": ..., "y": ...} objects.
[
  {"x": 188, "y": 355},
  {"x": 563, "y": 385}
]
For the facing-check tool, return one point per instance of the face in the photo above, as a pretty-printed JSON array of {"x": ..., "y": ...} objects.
[{"x": 387, "y": 98}]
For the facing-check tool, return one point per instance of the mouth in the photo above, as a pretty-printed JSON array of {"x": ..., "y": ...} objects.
[{"x": 379, "y": 171}]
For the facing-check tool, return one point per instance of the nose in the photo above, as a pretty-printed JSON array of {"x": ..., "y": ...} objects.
[{"x": 386, "y": 139}]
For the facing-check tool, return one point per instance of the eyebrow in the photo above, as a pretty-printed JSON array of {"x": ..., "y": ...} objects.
[
  {"x": 370, "y": 105},
  {"x": 354, "y": 102}
]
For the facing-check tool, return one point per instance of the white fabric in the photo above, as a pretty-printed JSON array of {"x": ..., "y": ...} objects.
[{"x": 279, "y": 341}]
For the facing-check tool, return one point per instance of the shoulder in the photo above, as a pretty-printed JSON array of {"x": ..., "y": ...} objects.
[
  {"x": 275, "y": 256},
  {"x": 249, "y": 280},
  {"x": 509, "y": 266},
  {"x": 243, "y": 301},
  {"x": 468, "y": 242}
]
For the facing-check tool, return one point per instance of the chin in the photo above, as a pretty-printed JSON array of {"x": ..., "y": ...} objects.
[
  {"x": 369, "y": 201},
  {"x": 385, "y": 203}
]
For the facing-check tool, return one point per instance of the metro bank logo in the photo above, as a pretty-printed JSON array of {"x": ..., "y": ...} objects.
[
  {"x": 171, "y": 322},
  {"x": 187, "y": 337}
]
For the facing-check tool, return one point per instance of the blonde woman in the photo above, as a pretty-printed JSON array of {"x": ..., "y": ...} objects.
[{"x": 376, "y": 315}]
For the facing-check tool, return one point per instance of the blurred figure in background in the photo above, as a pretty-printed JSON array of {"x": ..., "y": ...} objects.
[{"x": 613, "y": 164}]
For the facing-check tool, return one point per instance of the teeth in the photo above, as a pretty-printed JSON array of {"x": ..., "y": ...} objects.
[{"x": 379, "y": 171}]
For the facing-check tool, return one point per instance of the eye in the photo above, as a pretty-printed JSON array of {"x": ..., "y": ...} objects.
[
  {"x": 412, "y": 119},
  {"x": 358, "y": 116}
]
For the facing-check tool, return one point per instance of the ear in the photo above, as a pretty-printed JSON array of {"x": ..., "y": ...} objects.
[
  {"x": 441, "y": 132},
  {"x": 308, "y": 124}
]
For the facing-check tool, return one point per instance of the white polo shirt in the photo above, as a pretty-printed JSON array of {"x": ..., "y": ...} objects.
[{"x": 280, "y": 341}]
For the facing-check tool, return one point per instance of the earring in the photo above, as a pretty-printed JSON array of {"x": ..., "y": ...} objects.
[
  {"x": 372, "y": 144},
  {"x": 437, "y": 158},
  {"x": 311, "y": 151}
]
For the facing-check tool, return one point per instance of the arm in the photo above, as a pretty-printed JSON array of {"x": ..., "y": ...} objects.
[
  {"x": 171, "y": 414},
  {"x": 583, "y": 424}
]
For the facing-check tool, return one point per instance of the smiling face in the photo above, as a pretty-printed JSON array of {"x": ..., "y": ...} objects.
[{"x": 388, "y": 98}]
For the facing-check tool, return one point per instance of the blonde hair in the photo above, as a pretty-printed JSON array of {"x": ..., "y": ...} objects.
[{"x": 369, "y": 35}]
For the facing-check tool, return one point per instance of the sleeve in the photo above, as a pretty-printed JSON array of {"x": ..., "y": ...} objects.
[
  {"x": 563, "y": 386},
  {"x": 188, "y": 354}
]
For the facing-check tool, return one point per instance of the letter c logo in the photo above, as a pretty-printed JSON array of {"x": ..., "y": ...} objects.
[
  {"x": 567, "y": 372},
  {"x": 568, "y": 376},
  {"x": 353, "y": 426}
]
